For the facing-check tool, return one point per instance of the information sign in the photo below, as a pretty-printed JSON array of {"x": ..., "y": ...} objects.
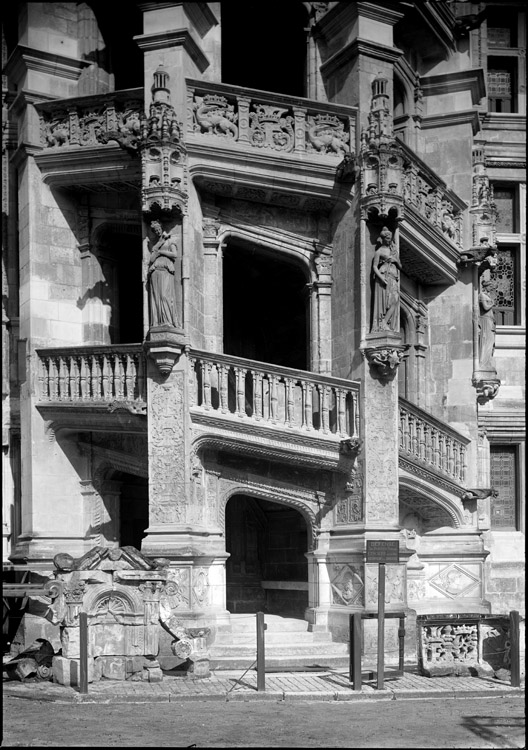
[{"x": 383, "y": 551}]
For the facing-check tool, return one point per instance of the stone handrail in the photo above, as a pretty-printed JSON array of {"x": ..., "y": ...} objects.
[
  {"x": 92, "y": 374},
  {"x": 91, "y": 120},
  {"x": 430, "y": 196},
  {"x": 274, "y": 395},
  {"x": 269, "y": 121},
  {"x": 431, "y": 442}
]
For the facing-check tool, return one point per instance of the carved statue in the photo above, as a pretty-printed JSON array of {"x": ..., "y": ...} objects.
[
  {"x": 486, "y": 326},
  {"x": 386, "y": 273},
  {"x": 161, "y": 273}
]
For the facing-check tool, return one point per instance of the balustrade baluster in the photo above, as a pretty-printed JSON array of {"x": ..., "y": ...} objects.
[
  {"x": 257, "y": 395},
  {"x": 402, "y": 429},
  {"x": 119, "y": 377},
  {"x": 355, "y": 406},
  {"x": 83, "y": 378},
  {"x": 414, "y": 436},
  {"x": 73, "y": 378},
  {"x": 240, "y": 391},
  {"x": 324, "y": 408},
  {"x": 273, "y": 398},
  {"x": 420, "y": 438},
  {"x": 206, "y": 371},
  {"x": 43, "y": 379},
  {"x": 341, "y": 414},
  {"x": 105, "y": 377},
  {"x": 224, "y": 404},
  {"x": 436, "y": 447},
  {"x": 61, "y": 387},
  {"x": 130, "y": 377},
  {"x": 462, "y": 464},
  {"x": 449, "y": 457},
  {"x": 308, "y": 408},
  {"x": 53, "y": 378},
  {"x": 441, "y": 452},
  {"x": 289, "y": 402}
]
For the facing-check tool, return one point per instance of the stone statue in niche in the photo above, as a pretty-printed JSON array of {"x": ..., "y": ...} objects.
[
  {"x": 486, "y": 325},
  {"x": 386, "y": 276},
  {"x": 162, "y": 275}
]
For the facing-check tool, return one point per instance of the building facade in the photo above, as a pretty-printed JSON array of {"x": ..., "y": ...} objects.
[{"x": 263, "y": 299}]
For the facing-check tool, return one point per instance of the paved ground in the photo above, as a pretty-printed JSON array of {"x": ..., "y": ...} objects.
[{"x": 330, "y": 685}]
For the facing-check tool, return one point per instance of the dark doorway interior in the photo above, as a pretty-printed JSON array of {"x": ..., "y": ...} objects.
[
  {"x": 264, "y": 45},
  {"x": 267, "y": 569},
  {"x": 133, "y": 509},
  {"x": 265, "y": 308}
]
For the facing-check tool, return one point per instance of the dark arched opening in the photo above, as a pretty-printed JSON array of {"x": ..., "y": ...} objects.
[
  {"x": 266, "y": 569},
  {"x": 264, "y": 45},
  {"x": 133, "y": 509},
  {"x": 265, "y": 307}
]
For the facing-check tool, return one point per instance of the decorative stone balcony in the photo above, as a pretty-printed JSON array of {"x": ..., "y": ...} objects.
[
  {"x": 274, "y": 411},
  {"x": 432, "y": 235},
  {"x": 430, "y": 446},
  {"x": 80, "y": 138},
  {"x": 263, "y": 146},
  {"x": 93, "y": 386}
]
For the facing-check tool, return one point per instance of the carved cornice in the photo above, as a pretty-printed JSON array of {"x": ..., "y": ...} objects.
[
  {"x": 83, "y": 417},
  {"x": 359, "y": 47},
  {"x": 47, "y": 63},
  {"x": 449, "y": 83},
  {"x": 176, "y": 38},
  {"x": 90, "y": 168},
  {"x": 201, "y": 16},
  {"x": 450, "y": 119}
]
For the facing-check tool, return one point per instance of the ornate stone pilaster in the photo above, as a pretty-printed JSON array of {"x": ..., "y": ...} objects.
[
  {"x": 322, "y": 289},
  {"x": 213, "y": 277},
  {"x": 168, "y": 459}
]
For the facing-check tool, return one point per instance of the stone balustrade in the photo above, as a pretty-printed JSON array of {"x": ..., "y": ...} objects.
[
  {"x": 92, "y": 120},
  {"x": 92, "y": 374},
  {"x": 267, "y": 121},
  {"x": 275, "y": 396},
  {"x": 424, "y": 191},
  {"x": 431, "y": 442}
]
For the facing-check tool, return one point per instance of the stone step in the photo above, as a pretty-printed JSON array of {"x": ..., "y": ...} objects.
[
  {"x": 289, "y": 663},
  {"x": 272, "y": 637},
  {"x": 248, "y": 623},
  {"x": 280, "y": 649}
]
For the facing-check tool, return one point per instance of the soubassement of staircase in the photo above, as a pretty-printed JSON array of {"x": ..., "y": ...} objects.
[{"x": 288, "y": 645}]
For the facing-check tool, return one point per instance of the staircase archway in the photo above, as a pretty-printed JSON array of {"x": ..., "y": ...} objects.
[{"x": 267, "y": 569}]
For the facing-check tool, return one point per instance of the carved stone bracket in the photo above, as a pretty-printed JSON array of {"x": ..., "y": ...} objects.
[
  {"x": 385, "y": 359},
  {"x": 350, "y": 445},
  {"x": 478, "y": 494},
  {"x": 483, "y": 255},
  {"x": 165, "y": 346},
  {"x": 487, "y": 388}
]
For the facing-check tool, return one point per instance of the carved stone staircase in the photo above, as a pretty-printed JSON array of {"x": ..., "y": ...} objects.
[{"x": 288, "y": 645}]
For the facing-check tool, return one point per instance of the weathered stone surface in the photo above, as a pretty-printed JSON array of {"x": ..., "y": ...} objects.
[{"x": 68, "y": 672}]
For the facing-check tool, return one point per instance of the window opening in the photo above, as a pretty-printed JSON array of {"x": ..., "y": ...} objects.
[{"x": 503, "y": 466}]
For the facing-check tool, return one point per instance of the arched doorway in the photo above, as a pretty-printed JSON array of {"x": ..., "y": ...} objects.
[
  {"x": 265, "y": 306},
  {"x": 123, "y": 515},
  {"x": 266, "y": 569}
]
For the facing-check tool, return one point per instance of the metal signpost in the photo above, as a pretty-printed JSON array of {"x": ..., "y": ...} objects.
[{"x": 381, "y": 551}]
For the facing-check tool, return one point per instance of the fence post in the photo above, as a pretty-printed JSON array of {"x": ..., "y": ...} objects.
[
  {"x": 261, "y": 660},
  {"x": 355, "y": 650},
  {"x": 515, "y": 655},
  {"x": 83, "y": 647}
]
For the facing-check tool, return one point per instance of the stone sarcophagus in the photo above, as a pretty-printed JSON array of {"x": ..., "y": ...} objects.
[{"x": 120, "y": 591}]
